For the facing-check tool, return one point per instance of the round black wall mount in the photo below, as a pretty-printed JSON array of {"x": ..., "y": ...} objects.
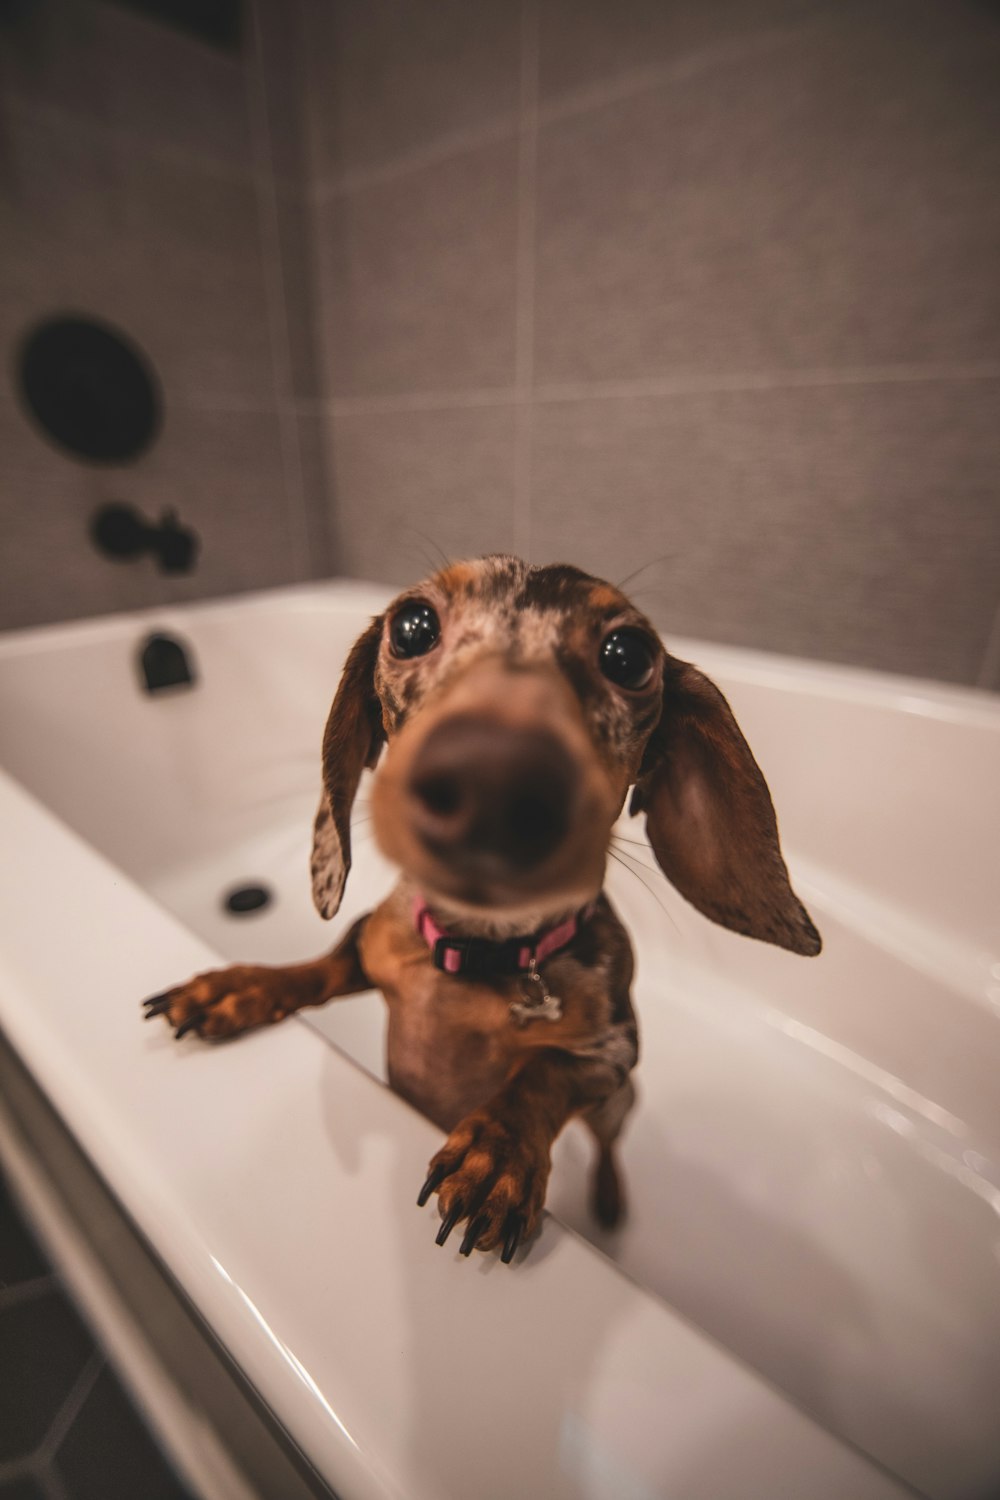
[{"x": 90, "y": 389}]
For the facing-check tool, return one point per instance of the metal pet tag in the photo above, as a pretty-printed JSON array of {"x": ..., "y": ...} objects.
[{"x": 541, "y": 1005}]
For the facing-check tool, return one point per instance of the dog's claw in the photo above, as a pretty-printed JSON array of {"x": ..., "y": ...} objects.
[
  {"x": 450, "y": 1222},
  {"x": 157, "y": 1004},
  {"x": 434, "y": 1179},
  {"x": 191, "y": 1024},
  {"x": 472, "y": 1234},
  {"x": 515, "y": 1228}
]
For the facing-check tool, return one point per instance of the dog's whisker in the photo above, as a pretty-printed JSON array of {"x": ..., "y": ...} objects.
[
  {"x": 653, "y": 869},
  {"x": 637, "y": 844},
  {"x": 642, "y": 569},
  {"x": 267, "y": 799},
  {"x": 445, "y": 559},
  {"x": 620, "y": 859},
  {"x": 621, "y": 838}
]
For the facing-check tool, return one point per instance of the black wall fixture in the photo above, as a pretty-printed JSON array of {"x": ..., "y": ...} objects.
[
  {"x": 92, "y": 391},
  {"x": 119, "y": 531},
  {"x": 165, "y": 662}
]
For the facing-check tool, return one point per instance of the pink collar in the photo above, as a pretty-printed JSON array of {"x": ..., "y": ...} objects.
[{"x": 485, "y": 958}]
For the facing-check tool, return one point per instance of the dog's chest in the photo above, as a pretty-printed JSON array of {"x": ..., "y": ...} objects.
[
  {"x": 452, "y": 1042},
  {"x": 449, "y": 1047}
]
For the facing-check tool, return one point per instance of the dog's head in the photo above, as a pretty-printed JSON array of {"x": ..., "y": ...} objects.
[{"x": 519, "y": 704}]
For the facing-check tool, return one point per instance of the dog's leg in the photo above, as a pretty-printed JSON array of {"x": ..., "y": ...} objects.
[
  {"x": 605, "y": 1121},
  {"x": 494, "y": 1167},
  {"x": 224, "y": 1002}
]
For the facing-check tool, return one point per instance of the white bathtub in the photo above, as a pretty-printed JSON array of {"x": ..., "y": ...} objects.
[{"x": 806, "y": 1299}]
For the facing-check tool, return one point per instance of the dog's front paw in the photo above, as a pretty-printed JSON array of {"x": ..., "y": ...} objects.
[
  {"x": 223, "y": 1002},
  {"x": 492, "y": 1173}
]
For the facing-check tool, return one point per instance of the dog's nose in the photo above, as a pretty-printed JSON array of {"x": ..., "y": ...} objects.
[{"x": 485, "y": 792}]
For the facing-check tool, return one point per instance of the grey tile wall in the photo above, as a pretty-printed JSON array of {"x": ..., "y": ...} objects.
[
  {"x": 417, "y": 277},
  {"x": 830, "y": 202},
  {"x": 219, "y": 470},
  {"x": 101, "y": 65},
  {"x": 716, "y": 283},
  {"x": 394, "y": 76},
  {"x": 138, "y": 185},
  {"x": 411, "y": 485},
  {"x": 859, "y": 524},
  {"x": 279, "y": 114},
  {"x": 723, "y": 281},
  {"x": 585, "y": 52}
]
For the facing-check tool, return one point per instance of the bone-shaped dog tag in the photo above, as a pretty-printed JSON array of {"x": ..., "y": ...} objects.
[{"x": 539, "y": 1004}]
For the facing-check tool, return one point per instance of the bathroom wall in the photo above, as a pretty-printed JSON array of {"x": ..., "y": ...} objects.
[
  {"x": 703, "y": 290},
  {"x": 156, "y": 182},
  {"x": 706, "y": 293}
]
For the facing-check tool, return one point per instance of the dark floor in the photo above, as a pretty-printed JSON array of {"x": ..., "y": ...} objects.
[{"x": 67, "y": 1429}]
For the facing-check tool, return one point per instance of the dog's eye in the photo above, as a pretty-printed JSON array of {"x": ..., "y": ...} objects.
[
  {"x": 626, "y": 658},
  {"x": 415, "y": 629}
]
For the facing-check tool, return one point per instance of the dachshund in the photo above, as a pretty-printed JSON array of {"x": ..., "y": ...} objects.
[{"x": 516, "y": 706}]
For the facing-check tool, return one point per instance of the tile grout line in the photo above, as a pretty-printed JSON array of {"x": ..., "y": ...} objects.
[
  {"x": 500, "y": 128},
  {"x": 580, "y": 101},
  {"x": 71, "y": 1407},
  {"x": 767, "y": 380},
  {"x": 989, "y": 670},
  {"x": 13, "y": 1469},
  {"x": 262, "y": 151},
  {"x": 663, "y": 387},
  {"x": 26, "y": 1291},
  {"x": 348, "y": 406},
  {"x": 598, "y": 390},
  {"x": 51, "y": 1482},
  {"x": 524, "y": 278},
  {"x": 635, "y": 81}
]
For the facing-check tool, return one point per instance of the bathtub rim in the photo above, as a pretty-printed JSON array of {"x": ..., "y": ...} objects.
[{"x": 948, "y": 701}]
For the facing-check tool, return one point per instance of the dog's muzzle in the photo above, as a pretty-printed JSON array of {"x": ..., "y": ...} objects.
[{"x": 490, "y": 798}]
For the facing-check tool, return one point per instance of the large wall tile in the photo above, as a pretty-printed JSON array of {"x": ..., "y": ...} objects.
[
  {"x": 856, "y": 524},
  {"x": 409, "y": 483},
  {"x": 392, "y": 76},
  {"x": 583, "y": 43},
  {"x": 417, "y": 277},
  {"x": 109, "y": 67},
  {"x": 133, "y": 190},
  {"x": 221, "y": 472},
  {"x": 831, "y": 201},
  {"x": 171, "y": 255},
  {"x": 52, "y": 57}
]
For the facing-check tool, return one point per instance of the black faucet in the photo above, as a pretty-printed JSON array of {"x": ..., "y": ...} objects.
[
  {"x": 165, "y": 661},
  {"x": 119, "y": 531}
]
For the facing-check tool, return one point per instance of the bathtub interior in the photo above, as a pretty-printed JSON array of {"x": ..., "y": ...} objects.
[{"x": 812, "y": 1170}]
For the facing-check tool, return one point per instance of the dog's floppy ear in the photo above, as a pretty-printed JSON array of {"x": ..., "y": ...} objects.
[
  {"x": 710, "y": 819},
  {"x": 353, "y": 739}
]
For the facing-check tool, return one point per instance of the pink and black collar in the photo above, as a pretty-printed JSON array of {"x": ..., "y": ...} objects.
[{"x": 484, "y": 958}]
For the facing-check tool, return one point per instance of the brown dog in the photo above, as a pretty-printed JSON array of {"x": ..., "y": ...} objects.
[{"x": 519, "y": 704}]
